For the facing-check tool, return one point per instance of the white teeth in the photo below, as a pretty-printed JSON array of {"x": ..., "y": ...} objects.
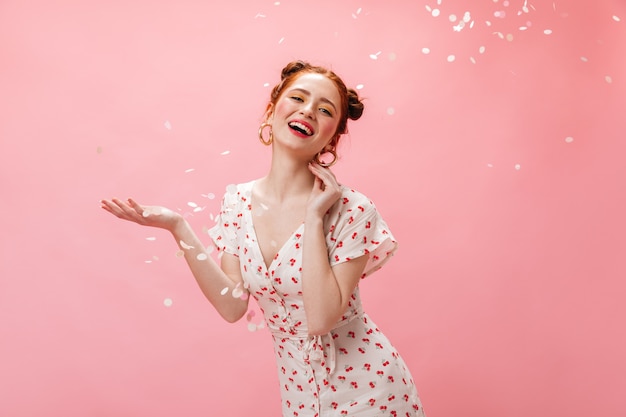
[{"x": 301, "y": 127}]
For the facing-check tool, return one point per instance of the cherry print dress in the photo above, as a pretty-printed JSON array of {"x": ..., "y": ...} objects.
[{"x": 351, "y": 371}]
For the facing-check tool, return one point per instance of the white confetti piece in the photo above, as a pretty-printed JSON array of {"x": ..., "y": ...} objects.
[
  {"x": 518, "y": 167},
  {"x": 616, "y": 18},
  {"x": 509, "y": 37},
  {"x": 569, "y": 139},
  {"x": 451, "y": 58},
  {"x": 152, "y": 238},
  {"x": 584, "y": 59},
  {"x": 266, "y": 85},
  {"x": 481, "y": 50},
  {"x": 180, "y": 254},
  {"x": 189, "y": 170},
  {"x": 259, "y": 15},
  {"x": 608, "y": 79},
  {"x": 168, "y": 125},
  {"x": 392, "y": 56},
  {"x": 548, "y": 31},
  {"x": 435, "y": 12},
  {"x": 391, "y": 111},
  {"x": 224, "y": 291},
  {"x": 167, "y": 302},
  {"x": 237, "y": 291},
  {"x": 210, "y": 196},
  {"x": 425, "y": 51},
  {"x": 281, "y": 40},
  {"x": 428, "y": 8},
  {"x": 500, "y": 13},
  {"x": 523, "y": 28},
  {"x": 489, "y": 165},
  {"x": 472, "y": 60},
  {"x": 375, "y": 56},
  {"x": 185, "y": 246},
  {"x": 276, "y": 3},
  {"x": 231, "y": 189},
  {"x": 359, "y": 86},
  {"x": 252, "y": 327},
  {"x": 192, "y": 204},
  {"x": 99, "y": 149},
  {"x": 225, "y": 153},
  {"x": 202, "y": 257}
]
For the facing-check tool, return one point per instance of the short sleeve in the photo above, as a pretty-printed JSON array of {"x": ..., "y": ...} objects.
[
  {"x": 224, "y": 233},
  {"x": 356, "y": 228}
]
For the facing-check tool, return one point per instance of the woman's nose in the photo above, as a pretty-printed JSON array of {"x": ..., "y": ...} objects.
[{"x": 307, "y": 110}]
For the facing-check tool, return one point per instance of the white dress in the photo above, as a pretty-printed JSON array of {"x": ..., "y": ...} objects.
[{"x": 353, "y": 370}]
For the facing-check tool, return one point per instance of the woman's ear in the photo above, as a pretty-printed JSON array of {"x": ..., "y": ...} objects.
[{"x": 269, "y": 112}]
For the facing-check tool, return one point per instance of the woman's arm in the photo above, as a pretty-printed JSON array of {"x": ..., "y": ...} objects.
[
  {"x": 326, "y": 290},
  {"x": 210, "y": 277}
]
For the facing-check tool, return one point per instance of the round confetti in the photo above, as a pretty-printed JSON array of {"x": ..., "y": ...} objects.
[
  {"x": 237, "y": 292},
  {"x": 451, "y": 58},
  {"x": 425, "y": 51},
  {"x": 452, "y": 18},
  {"x": 392, "y": 56},
  {"x": 202, "y": 257},
  {"x": 548, "y": 31},
  {"x": 252, "y": 327},
  {"x": 435, "y": 12},
  {"x": 180, "y": 254},
  {"x": 569, "y": 139},
  {"x": 518, "y": 167},
  {"x": 168, "y": 125},
  {"x": 481, "y": 50},
  {"x": 608, "y": 79},
  {"x": 509, "y": 37},
  {"x": 99, "y": 149},
  {"x": 391, "y": 111},
  {"x": 167, "y": 302}
]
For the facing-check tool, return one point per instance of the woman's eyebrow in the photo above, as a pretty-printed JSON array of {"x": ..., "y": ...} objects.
[{"x": 308, "y": 93}]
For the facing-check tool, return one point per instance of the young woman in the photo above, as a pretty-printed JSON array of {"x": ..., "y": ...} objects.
[{"x": 299, "y": 242}]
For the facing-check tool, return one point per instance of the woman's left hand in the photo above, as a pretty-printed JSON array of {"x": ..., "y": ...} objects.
[{"x": 326, "y": 190}]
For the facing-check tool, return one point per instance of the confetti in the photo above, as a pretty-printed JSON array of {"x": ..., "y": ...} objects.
[
  {"x": 569, "y": 139},
  {"x": 192, "y": 204},
  {"x": 225, "y": 153},
  {"x": 224, "y": 291},
  {"x": 452, "y": 18},
  {"x": 237, "y": 291},
  {"x": 99, "y": 149},
  {"x": 489, "y": 165},
  {"x": 509, "y": 37},
  {"x": 584, "y": 59},
  {"x": 168, "y": 125},
  {"x": 252, "y": 327},
  {"x": 202, "y": 257},
  {"x": 281, "y": 40},
  {"x": 392, "y": 56},
  {"x": 451, "y": 58},
  {"x": 167, "y": 302},
  {"x": 151, "y": 238},
  {"x": 548, "y": 31},
  {"x": 518, "y": 167},
  {"x": 185, "y": 246},
  {"x": 391, "y": 111},
  {"x": 435, "y": 12},
  {"x": 500, "y": 13},
  {"x": 616, "y": 18},
  {"x": 425, "y": 51},
  {"x": 481, "y": 50},
  {"x": 359, "y": 86},
  {"x": 180, "y": 254},
  {"x": 375, "y": 56},
  {"x": 608, "y": 79}
]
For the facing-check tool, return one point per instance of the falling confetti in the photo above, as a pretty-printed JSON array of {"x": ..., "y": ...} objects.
[
  {"x": 185, "y": 246},
  {"x": 99, "y": 149},
  {"x": 152, "y": 238},
  {"x": 192, "y": 204},
  {"x": 548, "y": 31},
  {"x": 225, "y": 153},
  {"x": 451, "y": 58},
  {"x": 391, "y": 111},
  {"x": 224, "y": 291},
  {"x": 202, "y": 257},
  {"x": 167, "y": 302},
  {"x": 359, "y": 86},
  {"x": 569, "y": 139},
  {"x": 375, "y": 56},
  {"x": 168, "y": 125},
  {"x": 189, "y": 170},
  {"x": 518, "y": 167},
  {"x": 425, "y": 51},
  {"x": 608, "y": 79},
  {"x": 616, "y": 18}
]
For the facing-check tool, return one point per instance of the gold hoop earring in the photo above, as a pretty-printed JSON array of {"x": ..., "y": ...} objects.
[
  {"x": 271, "y": 138},
  {"x": 333, "y": 152}
]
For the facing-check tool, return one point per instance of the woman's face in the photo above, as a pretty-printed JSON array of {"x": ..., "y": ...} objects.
[{"x": 306, "y": 115}]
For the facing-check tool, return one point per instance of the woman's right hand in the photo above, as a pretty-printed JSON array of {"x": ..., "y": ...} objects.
[{"x": 153, "y": 216}]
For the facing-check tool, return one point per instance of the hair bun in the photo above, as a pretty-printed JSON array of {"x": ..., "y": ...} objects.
[
  {"x": 292, "y": 68},
  {"x": 355, "y": 105}
]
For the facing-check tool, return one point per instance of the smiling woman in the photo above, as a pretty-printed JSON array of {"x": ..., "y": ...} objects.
[{"x": 299, "y": 242}]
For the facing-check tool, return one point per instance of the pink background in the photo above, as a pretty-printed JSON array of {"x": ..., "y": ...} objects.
[{"x": 501, "y": 173}]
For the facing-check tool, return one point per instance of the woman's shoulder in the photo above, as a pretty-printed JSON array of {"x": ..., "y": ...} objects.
[{"x": 353, "y": 198}]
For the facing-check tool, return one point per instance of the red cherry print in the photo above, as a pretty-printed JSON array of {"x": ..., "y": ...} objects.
[
  {"x": 372, "y": 384},
  {"x": 372, "y": 401},
  {"x": 354, "y": 235},
  {"x": 385, "y": 363},
  {"x": 349, "y": 368},
  {"x": 354, "y": 384},
  {"x": 367, "y": 366},
  {"x": 334, "y": 405},
  {"x": 350, "y": 220},
  {"x": 346, "y": 200},
  {"x": 362, "y": 350},
  {"x": 390, "y": 378},
  {"x": 391, "y": 397}
]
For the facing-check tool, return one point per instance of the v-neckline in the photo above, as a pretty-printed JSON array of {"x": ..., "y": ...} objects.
[{"x": 255, "y": 237}]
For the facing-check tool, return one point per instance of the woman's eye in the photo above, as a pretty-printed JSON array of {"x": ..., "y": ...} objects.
[
  {"x": 296, "y": 98},
  {"x": 326, "y": 111}
]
